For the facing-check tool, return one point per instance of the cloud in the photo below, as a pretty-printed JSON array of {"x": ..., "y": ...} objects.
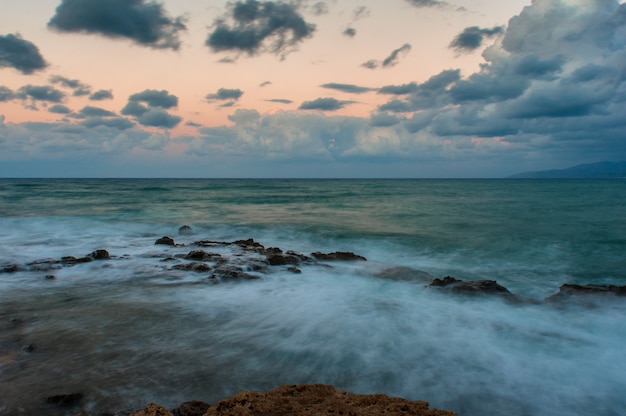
[
  {"x": 427, "y": 3},
  {"x": 20, "y": 54},
  {"x": 399, "y": 89},
  {"x": 154, "y": 113},
  {"x": 389, "y": 61},
  {"x": 472, "y": 38},
  {"x": 265, "y": 83},
  {"x": 41, "y": 93},
  {"x": 6, "y": 94},
  {"x": 79, "y": 88},
  {"x": 224, "y": 94},
  {"x": 118, "y": 123},
  {"x": 350, "y": 32},
  {"x": 89, "y": 111},
  {"x": 156, "y": 117},
  {"x": 359, "y": 13},
  {"x": 101, "y": 95},
  {"x": 193, "y": 124},
  {"x": 280, "y": 101},
  {"x": 146, "y": 24},
  {"x": 384, "y": 120},
  {"x": 349, "y": 88},
  {"x": 260, "y": 26},
  {"x": 59, "y": 109},
  {"x": 154, "y": 98},
  {"x": 320, "y": 8},
  {"x": 324, "y": 104}
]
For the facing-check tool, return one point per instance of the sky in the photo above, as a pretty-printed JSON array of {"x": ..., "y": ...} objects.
[{"x": 309, "y": 88}]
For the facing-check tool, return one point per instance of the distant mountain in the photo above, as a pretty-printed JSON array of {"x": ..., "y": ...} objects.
[{"x": 589, "y": 170}]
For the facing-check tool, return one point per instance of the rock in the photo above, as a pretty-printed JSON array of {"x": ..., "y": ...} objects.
[
  {"x": 319, "y": 400},
  {"x": 100, "y": 255},
  {"x": 10, "y": 268},
  {"x": 29, "y": 348},
  {"x": 67, "y": 399},
  {"x": 193, "y": 267},
  {"x": 71, "y": 260},
  {"x": 229, "y": 273},
  {"x": 185, "y": 230},
  {"x": 472, "y": 287},
  {"x": 400, "y": 273},
  {"x": 153, "y": 409},
  {"x": 166, "y": 241},
  {"x": 295, "y": 270},
  {"x": 192, "y": 408},
  {"x": 569, "y": 290},
  {"x": 338, "y": 256},
  {"x": 202, "y": 255},
  {"x": 282, "y": 259}
]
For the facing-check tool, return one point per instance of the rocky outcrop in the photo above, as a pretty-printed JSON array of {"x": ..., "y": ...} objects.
[
  {"x": 471, "y": 287},
  {"x": 309, "y": 399},
  {"x": 567, "y": 291},
  {"x": 165, "y": 241},
  {"x": 338, "y": 256}
]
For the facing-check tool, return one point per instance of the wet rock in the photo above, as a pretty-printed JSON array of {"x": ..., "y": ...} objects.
[
  {"x": 282, "y": 259},
  {"x": 67, "y": 399},
  {"x": 408, "y": 274},
  {"x": 50, "y": 277},
  {"x": 166, "y": 241},
  {"x": 185, "y": 230},
  {"x": 202, "y": 255},
  {"x": 29, "y": 348},
  {"x": 318, "y": 400},
  {"x": 192, "y": 408},
  {"x": 471, "y": 287},
  {"x": 568, "y": 290},
  {"x": 71, "y": 260},
  {"x": 229, "y": 273},
  {"x": 338, "y": 256},
  {"x": 100, "y": 255},
  {"x": 250, "y": 245},
  {"x": 10, "y": 268},
  {"x": 193, "y": 267},
  {"x": 295, "y": 270},
  {"x": 153, "y": 409}
]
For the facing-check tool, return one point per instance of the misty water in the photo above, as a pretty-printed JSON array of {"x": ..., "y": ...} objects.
[{"x": 131, "y": 330}]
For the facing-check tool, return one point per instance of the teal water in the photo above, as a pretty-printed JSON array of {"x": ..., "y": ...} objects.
[{"x": 129, "y": 331}]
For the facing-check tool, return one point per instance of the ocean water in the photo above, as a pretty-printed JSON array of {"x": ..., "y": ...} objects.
[{"x": 132, "y": 329}]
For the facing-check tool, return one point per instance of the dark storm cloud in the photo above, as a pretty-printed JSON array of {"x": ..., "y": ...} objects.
[
  {"x": 488, "y": 86},
  {"x": 280, "y": 101},
  {"x": 472, "y": 38},
  {"x": 260, "y": 26},
  {"x": 350, "y": 32},
  {"x": 59, "y": 109},
  {"x": 384, "y": 120},
  {"x": 41, "y": 93},
  {"x": 101, "y": 95},
  {"x": 324, "y": 104},
  {"x": 432, "y": 93},
  {"x": 90, "y": 111},
  {"x": 224, "y": 94},
  {"x": 532, "y": 66},
  {"x": 20, "y": 54},
  {"x": 146, "y": 24},
  {"x": 349, "y": 88},
  {"x": 6, "y": 94},
  {"x": 154, "y": 98},
  {"x": 399, "y": 89},
  {"x": 156, "y": 117}
]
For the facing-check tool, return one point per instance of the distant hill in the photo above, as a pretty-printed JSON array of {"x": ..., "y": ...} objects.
[{"x": 589, "y": 170}]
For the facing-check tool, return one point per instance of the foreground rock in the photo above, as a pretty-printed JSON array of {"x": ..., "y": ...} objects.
[
  {"x": 569, "y": 290},
  {"x": 338, "y": 256},
  {"x": 309, "y": 399},
  {"x": 471, "y": 287}
]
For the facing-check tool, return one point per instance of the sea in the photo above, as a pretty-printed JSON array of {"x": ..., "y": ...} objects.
[{"x": 133, "y": 328}]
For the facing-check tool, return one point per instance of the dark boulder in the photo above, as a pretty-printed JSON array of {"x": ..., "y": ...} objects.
[
  {"x": 250, "y": 245},
  {"x": 100, "y": 254},
  {"x": 227, "y": 272},
  {"x": 282, "y": 259},
  {"x": 67, "y": 399},
  {"x": 471, "y": 287},
  {"x": 338, "y": 256},
  {"x": 401, "y": 273},
  {"x": 185, "y": 230},
  {"x": 166, "y": 241},
  {"x": 192, "y": 408},
  {"x": 71, "y": 260},
  {"x": 202, "y": 255},
  {"x": 10, "y": 268}
]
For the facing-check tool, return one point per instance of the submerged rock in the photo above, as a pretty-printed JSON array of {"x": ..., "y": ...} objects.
[
  {"x": 11, "y": 268},
  {"x": 166, "y": 241},
  {"x": 192, "y": 408},
  {"x": 338, "y": 256},
  {"x": 194, "y": 267},
  {"x": 185, "y": 230},
  {"x": 202, "y": 255},
  {"x": 568, "y": 290},
  {"x": 100, "y": 254},
  {"x": 66, "y": 399},
  {"x": 471, "y": 287}
]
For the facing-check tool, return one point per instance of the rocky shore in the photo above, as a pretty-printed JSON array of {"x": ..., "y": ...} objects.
[
  {"x": 301, "y": 399},
  {"x": 249, "y": 260}
]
